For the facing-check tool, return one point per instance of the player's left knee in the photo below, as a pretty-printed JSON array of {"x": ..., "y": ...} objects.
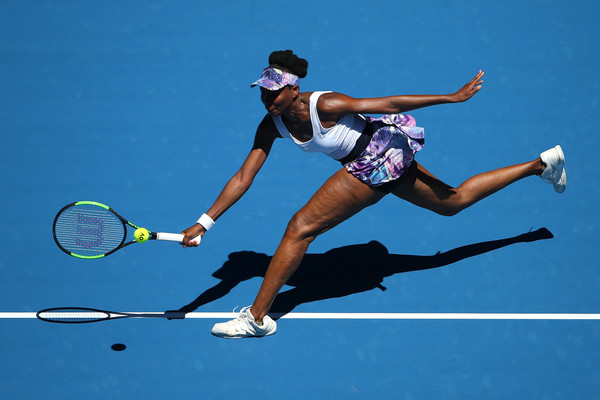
[
  {"x": 454, "y": 204},
  {"x": 451, "y": 207}
]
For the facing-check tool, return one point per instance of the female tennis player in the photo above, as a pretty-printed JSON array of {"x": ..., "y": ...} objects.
[{"x": 377, "y": 157}]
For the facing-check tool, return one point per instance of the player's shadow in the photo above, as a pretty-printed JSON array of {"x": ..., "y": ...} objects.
[{"x": 342, "y": 271}]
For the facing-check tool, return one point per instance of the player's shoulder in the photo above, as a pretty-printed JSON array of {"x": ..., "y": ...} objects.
[
  {"x": 333, "y": 105},
  {"x": 267, "y": 127}
]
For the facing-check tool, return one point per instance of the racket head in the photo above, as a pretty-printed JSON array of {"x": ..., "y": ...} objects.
[
  {"x": 89, "y": 230},
  {"x": 72, "y": 315}
]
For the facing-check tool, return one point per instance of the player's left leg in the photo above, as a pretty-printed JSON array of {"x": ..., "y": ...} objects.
[{"x": 422, "y": 188}]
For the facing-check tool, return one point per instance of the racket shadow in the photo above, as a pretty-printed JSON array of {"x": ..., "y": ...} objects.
[
  {"x": 342, "y": 271},
  {"x": 83, "y": 315}
]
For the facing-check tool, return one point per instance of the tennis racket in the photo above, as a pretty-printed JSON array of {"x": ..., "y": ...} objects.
[
  {"x": 90, "y": 230},
  {"x": 82, "y": 315}
]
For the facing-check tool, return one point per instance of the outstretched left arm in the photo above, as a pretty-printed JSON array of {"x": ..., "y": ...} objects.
[{"x": 334, "y": 105}]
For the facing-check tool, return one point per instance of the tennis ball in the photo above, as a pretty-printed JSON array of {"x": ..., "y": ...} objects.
[{"x": 141, "y": 235}]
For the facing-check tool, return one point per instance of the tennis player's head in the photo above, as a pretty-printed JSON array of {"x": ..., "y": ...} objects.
[{"x": 279, "y": 82}]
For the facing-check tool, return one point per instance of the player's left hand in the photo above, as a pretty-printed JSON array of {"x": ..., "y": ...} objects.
[{"x": 469, "y": 90}]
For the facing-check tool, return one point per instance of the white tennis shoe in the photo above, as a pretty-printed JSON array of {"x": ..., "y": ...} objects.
[
  {"x": 554, "y": 168},
  {"x": 245, "y": 326}
]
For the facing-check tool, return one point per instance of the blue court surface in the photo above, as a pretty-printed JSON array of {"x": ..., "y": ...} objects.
[{"x": 146, "y": 106}]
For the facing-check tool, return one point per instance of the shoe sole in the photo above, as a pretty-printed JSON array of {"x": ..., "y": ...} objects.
[
  {"x": 562, "y": 182},
  {"x": 242, "y": 337}
]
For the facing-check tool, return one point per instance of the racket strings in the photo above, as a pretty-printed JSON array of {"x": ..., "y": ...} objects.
[{"x": 89, "y": 230}]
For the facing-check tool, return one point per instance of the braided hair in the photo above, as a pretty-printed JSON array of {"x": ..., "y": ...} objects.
[{"x": 288, "y": 61}]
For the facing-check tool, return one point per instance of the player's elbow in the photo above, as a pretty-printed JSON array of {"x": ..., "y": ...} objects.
[{"x": 243, "y": 180}]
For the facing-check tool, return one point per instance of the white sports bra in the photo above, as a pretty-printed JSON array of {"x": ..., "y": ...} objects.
[{"x": 336, "y": 142}]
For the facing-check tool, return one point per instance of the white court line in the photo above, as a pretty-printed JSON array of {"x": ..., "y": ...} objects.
[{"x": 361, "y": 316}]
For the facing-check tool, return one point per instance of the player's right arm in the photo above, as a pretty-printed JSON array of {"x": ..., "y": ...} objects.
[{"x": 241, "y": 181}]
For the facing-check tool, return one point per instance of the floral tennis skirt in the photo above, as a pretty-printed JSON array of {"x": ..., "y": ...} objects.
[{"x": 396, "y": 139}]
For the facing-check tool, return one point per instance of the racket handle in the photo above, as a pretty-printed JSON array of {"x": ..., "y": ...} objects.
[{"x": 175, "y": 237}]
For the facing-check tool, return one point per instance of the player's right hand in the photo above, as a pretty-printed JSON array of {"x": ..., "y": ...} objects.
[{"x": 190, "y": 233}]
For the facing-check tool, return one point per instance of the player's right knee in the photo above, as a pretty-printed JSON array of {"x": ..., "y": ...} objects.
[{"x": 300, "y": 229}]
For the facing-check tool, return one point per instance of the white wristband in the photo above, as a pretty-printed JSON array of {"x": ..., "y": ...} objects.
[{"x": 206, "y": 221}]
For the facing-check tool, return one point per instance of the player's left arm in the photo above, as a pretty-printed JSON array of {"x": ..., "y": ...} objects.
[{"x": 332, "y": 106}]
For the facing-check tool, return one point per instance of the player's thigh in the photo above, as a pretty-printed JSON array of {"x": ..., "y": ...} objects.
[
  {"x": 421, "y": 188},
  {"x": 340, "y": 197}
]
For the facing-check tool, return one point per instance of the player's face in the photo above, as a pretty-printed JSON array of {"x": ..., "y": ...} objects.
[{"x": 277, "y": 101}]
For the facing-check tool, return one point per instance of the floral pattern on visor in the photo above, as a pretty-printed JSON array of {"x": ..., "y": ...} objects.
[{"x": 274, "y": 79}]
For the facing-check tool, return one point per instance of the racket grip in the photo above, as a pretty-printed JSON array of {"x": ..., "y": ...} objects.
[{"x": 175, "y": 237}]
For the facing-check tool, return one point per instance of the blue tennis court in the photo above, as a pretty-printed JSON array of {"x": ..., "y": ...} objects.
[{"x": 146, "y": 106}]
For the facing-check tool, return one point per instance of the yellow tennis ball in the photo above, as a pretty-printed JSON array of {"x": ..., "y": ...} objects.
[{"x": 141, "y": 235}]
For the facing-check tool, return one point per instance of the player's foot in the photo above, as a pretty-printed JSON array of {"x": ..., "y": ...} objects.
[
  {"x": 554, "y": 168},
  {"x": 245, "y": 326}
]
